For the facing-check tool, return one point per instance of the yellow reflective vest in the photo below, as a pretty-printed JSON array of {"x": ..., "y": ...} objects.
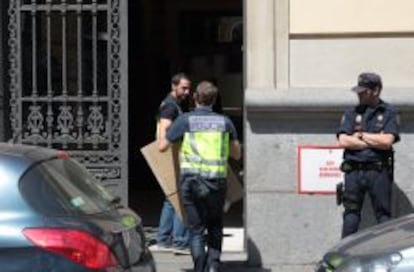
[{"x": 205, "y": 147}]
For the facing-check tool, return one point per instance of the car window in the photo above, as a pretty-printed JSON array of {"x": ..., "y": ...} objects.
[{"x": 63, "y": 186}]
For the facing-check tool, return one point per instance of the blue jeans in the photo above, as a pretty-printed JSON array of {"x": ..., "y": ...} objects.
[
  {"x": 171, "y": 230},
  {"x": 203, "y": 202}
]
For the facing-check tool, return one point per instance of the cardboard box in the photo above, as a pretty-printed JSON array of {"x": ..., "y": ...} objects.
[{"x": 166, "y": 169}]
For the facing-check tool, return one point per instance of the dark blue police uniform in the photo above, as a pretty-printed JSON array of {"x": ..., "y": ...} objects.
[
  {"x": 367, "y": 170},
  {"x": 203, "y": 198}
]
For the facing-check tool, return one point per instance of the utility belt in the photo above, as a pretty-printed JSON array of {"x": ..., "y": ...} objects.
[{"x": 349, "y": 166}]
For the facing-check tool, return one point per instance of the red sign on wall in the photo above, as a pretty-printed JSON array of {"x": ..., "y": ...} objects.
[{"x": 319, "y": 169}]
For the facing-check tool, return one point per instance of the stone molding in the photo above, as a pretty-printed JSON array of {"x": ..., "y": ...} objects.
[{"x": 318, "y": 99}]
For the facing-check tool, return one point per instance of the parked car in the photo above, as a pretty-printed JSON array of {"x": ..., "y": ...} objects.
[
  {"x": 54, "y": 216},
  {"x": 382, "y": 248}
]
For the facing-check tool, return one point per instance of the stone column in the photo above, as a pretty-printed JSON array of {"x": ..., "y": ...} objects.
[{"x": 260, "y": 44}]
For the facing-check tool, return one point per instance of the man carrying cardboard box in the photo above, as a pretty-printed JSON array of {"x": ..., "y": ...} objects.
[
  {"x": 208, "y": 139},
  {"x": 172, "y": 233}
]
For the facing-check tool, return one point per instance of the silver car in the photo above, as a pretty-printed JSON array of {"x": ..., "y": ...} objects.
[
  {"x": 54, "y": 216},
  {"x": 382, "y": 248}
]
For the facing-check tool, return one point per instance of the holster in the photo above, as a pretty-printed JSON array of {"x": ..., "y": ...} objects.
[
  {"x": 339, "y": 193},
  {"x": 390, "y": 166},
  {"x": 346, "y": 167}
]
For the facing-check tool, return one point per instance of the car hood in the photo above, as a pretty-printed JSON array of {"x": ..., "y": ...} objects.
[{"x": 391, "y": 236}]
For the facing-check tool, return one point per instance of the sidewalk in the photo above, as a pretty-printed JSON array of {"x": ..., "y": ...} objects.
[
  {"x": 168, "y": 262},
  {"x": 233, "y": 256}
]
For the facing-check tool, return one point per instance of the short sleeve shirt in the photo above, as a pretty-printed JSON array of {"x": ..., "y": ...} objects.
[
  {"x": 182, "y": 124},
  {"x": 381, "y": 118},
  {"x": 169, "y": 109}
]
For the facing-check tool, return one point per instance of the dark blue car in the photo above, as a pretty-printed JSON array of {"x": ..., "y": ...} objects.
[{"x": 54, "y": 216}]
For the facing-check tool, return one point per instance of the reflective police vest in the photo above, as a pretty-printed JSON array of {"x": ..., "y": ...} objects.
[{"x": 205, "y": 147}]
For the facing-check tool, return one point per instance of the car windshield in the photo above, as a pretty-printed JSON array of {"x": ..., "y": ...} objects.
[{"x": 62, "y": 187}]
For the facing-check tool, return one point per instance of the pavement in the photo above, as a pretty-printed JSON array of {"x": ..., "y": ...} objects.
[
  {"x": 168, "y": 262},
  {"x": 148, "y": 205},
  {"x": 233, "y": 257}
]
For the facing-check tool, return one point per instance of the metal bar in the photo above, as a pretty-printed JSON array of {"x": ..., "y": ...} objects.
[
  {"x": 79, "y": 47},
  {"x": 79, "y": 113},
  {"x": 49, "y": 114},
  {"x": 4, "y": 96},
  {"x": 55, "y": 141},
  {"x": 19, "y": 70},
  {"x": 3, "y": 34},
  {"x": 64, "y": 50},
  {"x": 49, "y": 50},
  {"x": 109, "y": 70},
  {"x": 14, "y": 52},
  {"x": 67, "y": 98},
  {"x": 94, "y": 48},
  {"x": 123, "y": 89},
  {"x": 69, "y": 7},
  {"x": 34, "y": 50},
  {"x": 115, "y": 124}
]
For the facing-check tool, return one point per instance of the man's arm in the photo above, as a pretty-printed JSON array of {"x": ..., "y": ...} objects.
[
  {"x": 361, "y": 140},
  {"x": 380, "y": 140},
  {"x": 353, "y": 141},
  {"x": 163, "y": 126},
  {"x": 235, "y": 149},
  {"x": 387, "y": 137},
  {"x": 163, "y": 144}
]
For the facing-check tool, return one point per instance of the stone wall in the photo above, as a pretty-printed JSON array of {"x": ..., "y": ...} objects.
[
  {"x": 286, "y": 229},
  {"x": 296, "y": 88}
]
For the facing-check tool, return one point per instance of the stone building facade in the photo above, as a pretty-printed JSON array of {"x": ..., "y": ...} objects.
[{"x": 301, "y": 58}]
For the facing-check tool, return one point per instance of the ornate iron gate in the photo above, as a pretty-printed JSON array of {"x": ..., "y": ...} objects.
[{"x": 68, "y": 80}]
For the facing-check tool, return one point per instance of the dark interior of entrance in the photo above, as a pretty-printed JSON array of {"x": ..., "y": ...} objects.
[{"x": 202, "y": 38}]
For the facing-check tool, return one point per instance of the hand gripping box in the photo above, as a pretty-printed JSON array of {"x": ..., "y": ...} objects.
[{"x": 165, "y": 168}]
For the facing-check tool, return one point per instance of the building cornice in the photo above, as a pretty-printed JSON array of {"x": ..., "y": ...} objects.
[{"x": 318, "y": 99}]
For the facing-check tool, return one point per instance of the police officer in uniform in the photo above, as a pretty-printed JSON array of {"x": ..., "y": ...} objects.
[
  {"x": 208, "y": 139},
  {"x": 367, "y": 133}
]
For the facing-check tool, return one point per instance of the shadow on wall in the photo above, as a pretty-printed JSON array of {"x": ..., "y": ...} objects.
[
  {"x": 255, "y": 258},
  {"x": 401, "y": 205}
]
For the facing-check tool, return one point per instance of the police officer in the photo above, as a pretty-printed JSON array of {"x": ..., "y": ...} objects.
[
  {"x": 208, "y": 139},
  {"x": 367, "y": 133}
]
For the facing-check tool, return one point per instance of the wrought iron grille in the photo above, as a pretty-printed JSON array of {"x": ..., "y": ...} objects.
[{"x": 68, "y": 79}]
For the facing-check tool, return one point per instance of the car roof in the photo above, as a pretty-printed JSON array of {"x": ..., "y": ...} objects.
[
  {"x": 28, "y": 152},
  {"x": 17, "y": 158}
]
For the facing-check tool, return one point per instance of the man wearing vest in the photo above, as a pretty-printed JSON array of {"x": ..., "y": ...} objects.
[
  {"x": 172, "y": 233},
  {"x": 208, "y": 139}
]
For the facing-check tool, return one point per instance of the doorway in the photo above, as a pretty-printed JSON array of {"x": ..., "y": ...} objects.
[{"x": 201, "y": 38}]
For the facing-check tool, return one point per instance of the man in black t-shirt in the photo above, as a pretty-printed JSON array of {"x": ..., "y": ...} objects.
[{"x": 172, "y": 234}]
